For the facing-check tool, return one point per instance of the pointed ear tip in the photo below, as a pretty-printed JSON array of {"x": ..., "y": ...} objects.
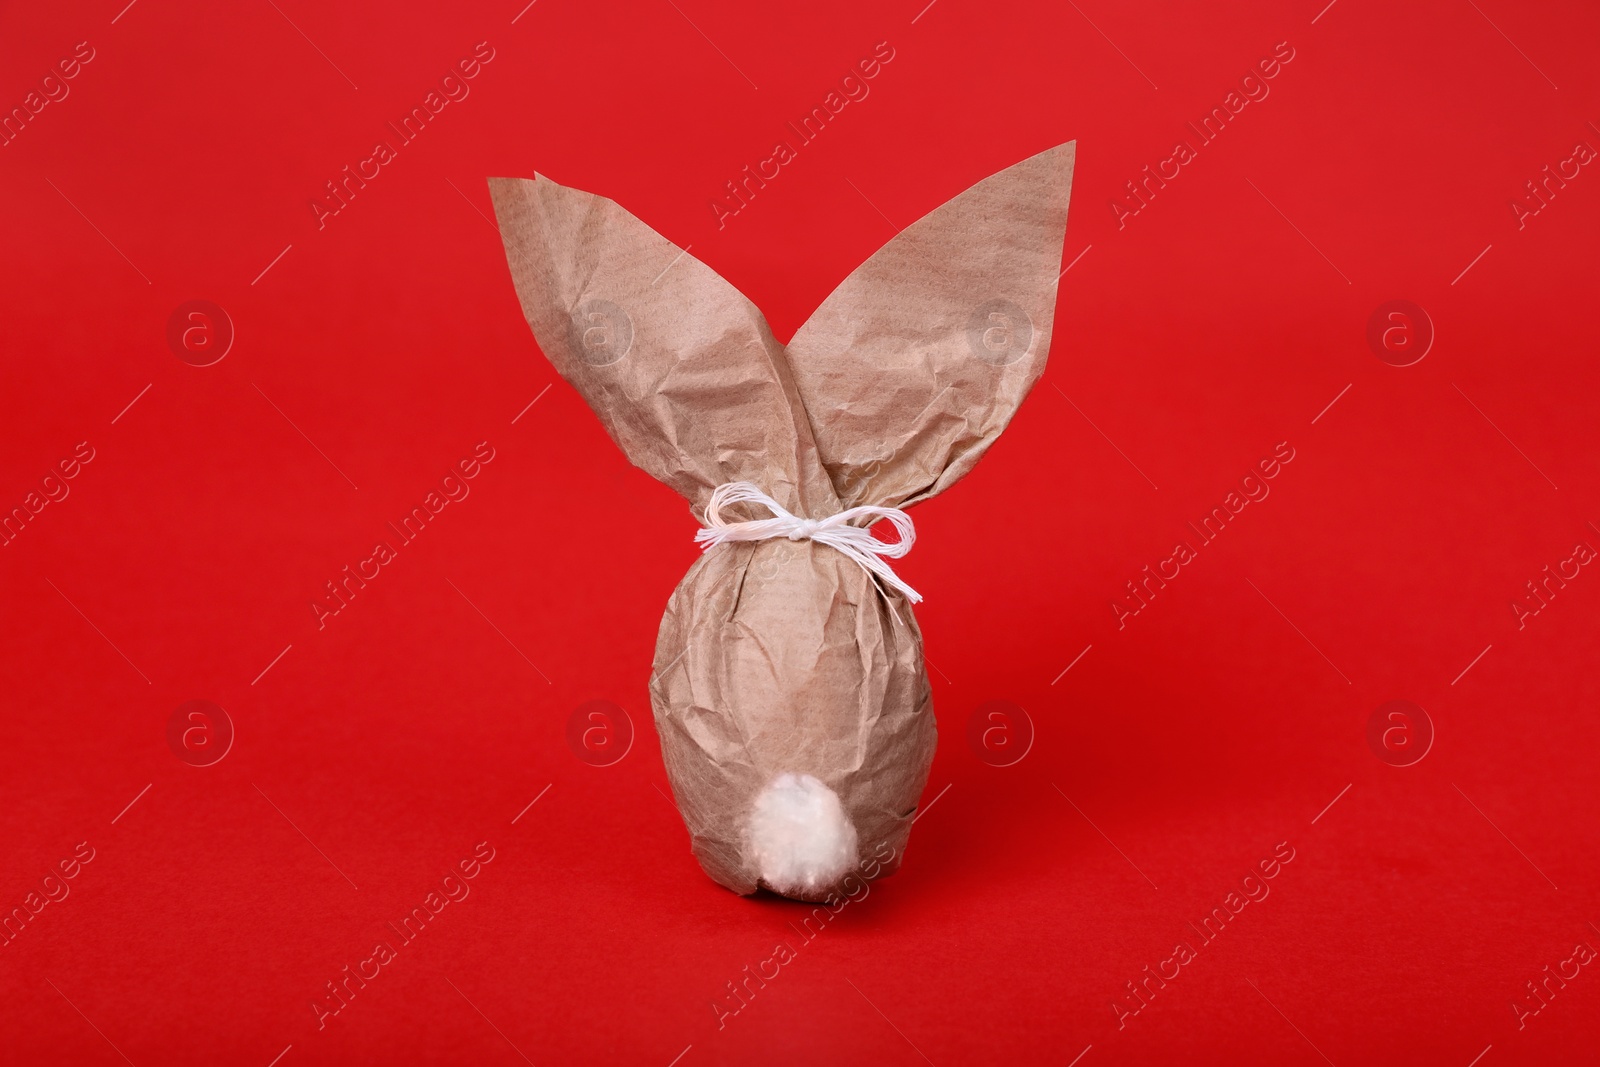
[
  {"x": 1061, "y": 152},
  {"x": 1058, "y": 160},
  {"x": 1062, "y": 160}
]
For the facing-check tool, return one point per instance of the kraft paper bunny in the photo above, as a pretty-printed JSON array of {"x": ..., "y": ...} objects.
[{"x": 793, "y": 707}]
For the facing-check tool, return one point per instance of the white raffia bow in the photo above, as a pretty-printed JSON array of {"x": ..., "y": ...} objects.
[{"x": 856, "y": 542}]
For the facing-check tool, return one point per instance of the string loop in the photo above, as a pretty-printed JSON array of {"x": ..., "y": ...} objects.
[{"x": 835, "y": 531}]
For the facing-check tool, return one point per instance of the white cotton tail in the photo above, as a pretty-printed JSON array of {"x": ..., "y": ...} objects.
[{"x": 800, "y": 835}]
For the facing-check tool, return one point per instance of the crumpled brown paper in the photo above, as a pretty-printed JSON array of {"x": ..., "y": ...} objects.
[{"x": 784, "y": 656}]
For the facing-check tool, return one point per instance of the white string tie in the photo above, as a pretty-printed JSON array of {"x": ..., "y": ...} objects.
[{"x": 835, "y": 531}]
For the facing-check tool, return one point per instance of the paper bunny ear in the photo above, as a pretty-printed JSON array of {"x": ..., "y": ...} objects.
[
  {"x": 678, "y": 364},
  {"x": 915, "y": 363}
]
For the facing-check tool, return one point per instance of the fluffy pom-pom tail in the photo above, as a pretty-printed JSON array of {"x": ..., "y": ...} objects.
[{"x": 801, "y": 838}]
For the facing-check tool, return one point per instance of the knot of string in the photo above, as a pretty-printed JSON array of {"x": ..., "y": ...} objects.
[{"x": 835, "y": 531}]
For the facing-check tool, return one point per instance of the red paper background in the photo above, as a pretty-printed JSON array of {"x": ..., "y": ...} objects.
[{"x": 1223, "y": 318}]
